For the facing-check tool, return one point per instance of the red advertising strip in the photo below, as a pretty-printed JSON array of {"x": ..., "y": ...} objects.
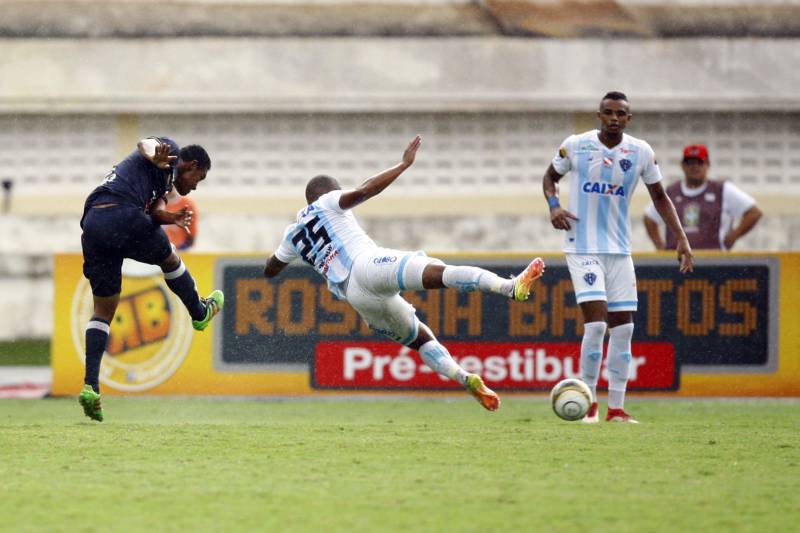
[{"x": 503, "y": 365}]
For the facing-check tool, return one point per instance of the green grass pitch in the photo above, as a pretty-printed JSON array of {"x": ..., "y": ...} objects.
[{"x": 397, "y": 465}]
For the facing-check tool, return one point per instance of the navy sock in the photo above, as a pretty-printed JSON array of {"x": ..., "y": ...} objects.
[
  {"x": 96, "y": 339},
  {"x": 181, "y": 283}
]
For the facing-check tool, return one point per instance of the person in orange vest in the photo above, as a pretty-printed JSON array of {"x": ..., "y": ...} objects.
[
  {"x": 182, "y": 237},
  {"x": 707, "y": 208}
]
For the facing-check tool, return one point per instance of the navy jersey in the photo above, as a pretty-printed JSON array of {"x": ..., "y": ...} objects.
[{"x": 136, "y": 181}]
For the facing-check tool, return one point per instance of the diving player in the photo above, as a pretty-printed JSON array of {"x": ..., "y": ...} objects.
[{"x": 327, "y": 236}]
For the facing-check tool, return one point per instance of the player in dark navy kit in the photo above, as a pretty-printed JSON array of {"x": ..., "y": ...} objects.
[{"x": 122, "y": 218}]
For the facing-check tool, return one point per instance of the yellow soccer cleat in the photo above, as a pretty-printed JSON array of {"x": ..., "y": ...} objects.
[{"x": 523, "y": 283}]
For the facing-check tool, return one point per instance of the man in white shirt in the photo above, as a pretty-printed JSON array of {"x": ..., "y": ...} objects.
[
  {"x": 328, "y": 237},
  {"x": 707, "y": 208},
  {"x": 604, "y": 168}
]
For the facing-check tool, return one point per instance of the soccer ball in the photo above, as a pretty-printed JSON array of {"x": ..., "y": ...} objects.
[{"x": 571, "y": 399}]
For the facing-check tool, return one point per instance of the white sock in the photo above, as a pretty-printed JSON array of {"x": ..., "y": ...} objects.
[
  {"x": 439, "y": 359},
  {"x": 619, "y": 364},
  {"x": 592, "y": 354},
  {"x": 469, "y": 278}
]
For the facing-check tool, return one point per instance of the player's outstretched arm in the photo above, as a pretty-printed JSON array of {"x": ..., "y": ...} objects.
[
  {"x": 559, "y": 217},
  {"x": 376, "y": 184},
  {"x": 273, "y": 267},
  {"x": 668, "y": 214}
]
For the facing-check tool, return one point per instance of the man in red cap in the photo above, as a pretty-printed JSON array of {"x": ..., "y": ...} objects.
[{"x": 707, "y": 208}]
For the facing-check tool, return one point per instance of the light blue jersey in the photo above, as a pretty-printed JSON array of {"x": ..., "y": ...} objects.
[
  {"x": 328, "y": 238},
  {"x": 601, "y": 184}
]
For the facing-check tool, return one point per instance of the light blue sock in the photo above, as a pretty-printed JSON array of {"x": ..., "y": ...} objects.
[
  {"x": 439, "y": 359},
  {"x": 470, "y": 278},
  {"x": 592, "y": 354},
  {"x": 619, "y": 364}
]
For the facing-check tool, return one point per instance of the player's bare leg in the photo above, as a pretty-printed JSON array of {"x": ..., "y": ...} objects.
[{"x": 439, "y": 359}]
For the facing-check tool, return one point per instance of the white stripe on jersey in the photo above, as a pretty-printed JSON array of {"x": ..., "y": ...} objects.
[
  {"x": 326, "y": 237},
  {"x": 601, "y": 184}
]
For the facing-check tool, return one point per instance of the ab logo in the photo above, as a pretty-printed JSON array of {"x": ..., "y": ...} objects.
[{"x": 150, "y": 333}]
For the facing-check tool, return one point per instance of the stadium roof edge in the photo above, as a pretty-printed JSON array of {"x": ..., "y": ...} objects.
[{"x": 415, "y": 18}]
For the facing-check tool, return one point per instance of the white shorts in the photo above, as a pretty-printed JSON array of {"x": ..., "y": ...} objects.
[
  {"x": 605, "y": 277},
  {"x": 374, "y": 286}
]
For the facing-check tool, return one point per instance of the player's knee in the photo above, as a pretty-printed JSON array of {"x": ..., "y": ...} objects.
[
  {"x": 432, "y": 275},
  {"x": 424, "y": 335},
  {"x": 170, "y": 263},
  {"x": 594, "y": 331}
]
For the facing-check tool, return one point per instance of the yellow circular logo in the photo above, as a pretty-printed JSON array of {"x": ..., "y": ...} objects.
[{"x": 150, "y": 334}]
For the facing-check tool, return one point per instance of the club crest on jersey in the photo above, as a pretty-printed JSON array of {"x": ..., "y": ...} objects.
[
  {"x": 307, "y": 210},
  {"x": 611, "y": 189},
  {"x": 625, "y": 164},
  {"x": 590, "y": 278}
]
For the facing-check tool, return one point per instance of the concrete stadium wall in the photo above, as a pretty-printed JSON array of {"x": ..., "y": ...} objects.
[
  {"x": 76, "y": 106},
  {"x": 398, "y": 75}
]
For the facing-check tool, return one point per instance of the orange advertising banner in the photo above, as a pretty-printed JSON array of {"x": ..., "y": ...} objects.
[{"x": 728, "y": 330}]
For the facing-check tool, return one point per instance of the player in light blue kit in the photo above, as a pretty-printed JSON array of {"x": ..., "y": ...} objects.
[
  {"x": 604, "y": 168},
  {"x": 327, "y": 236}
]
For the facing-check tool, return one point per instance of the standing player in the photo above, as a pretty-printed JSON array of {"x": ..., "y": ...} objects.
[
  {"x": 328, "y": 237},
  {"x": 605, "y": 167},
  {"x": 122, "y": 218}
]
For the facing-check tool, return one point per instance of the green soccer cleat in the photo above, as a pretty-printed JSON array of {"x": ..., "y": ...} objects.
[
  {"x": 523, "y": 283},
  {"x": 90, "y": 401},
  {"x": 214, "y": 304}
]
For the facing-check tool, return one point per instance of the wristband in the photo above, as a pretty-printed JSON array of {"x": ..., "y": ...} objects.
[{"x": 553, "y": 202}]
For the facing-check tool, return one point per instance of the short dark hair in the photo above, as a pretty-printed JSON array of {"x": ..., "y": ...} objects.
[
  {"x": 195, "y": 152},
  {"x": 614, "y": 95},
  {"x": 319, "y": 185}
]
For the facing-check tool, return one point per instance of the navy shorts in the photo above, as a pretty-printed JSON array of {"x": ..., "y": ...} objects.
[{"x": 111, "y": 234}]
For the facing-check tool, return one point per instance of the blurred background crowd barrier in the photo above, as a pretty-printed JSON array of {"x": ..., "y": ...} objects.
[{"x": 280, "y": 91}]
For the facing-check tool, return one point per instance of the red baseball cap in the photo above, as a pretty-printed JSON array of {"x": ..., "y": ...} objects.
[{"x": 696, "y": 151}]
